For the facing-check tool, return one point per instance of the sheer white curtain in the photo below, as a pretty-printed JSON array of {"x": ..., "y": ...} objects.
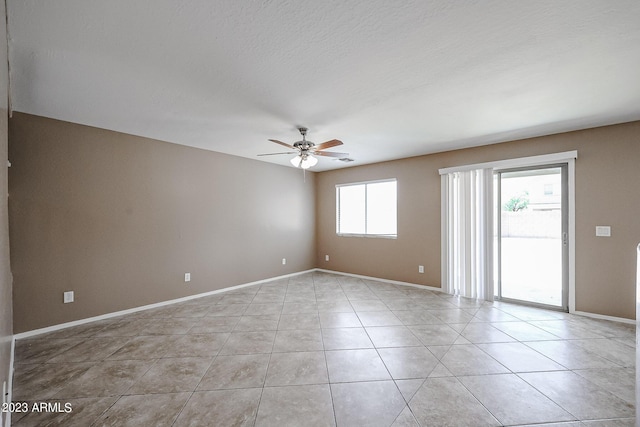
[{"x": 467, "y": 241}]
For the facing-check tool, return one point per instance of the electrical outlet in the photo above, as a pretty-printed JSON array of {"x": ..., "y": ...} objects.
[
  {"x": 68, "y": 297},
  {"x": 187, "y": 277},
  {"x": 326, "y": 257},
  {"x": 421, "y": 269},
  {"x": 284, "y": 261},
  {"x": 603, "y": 230}
]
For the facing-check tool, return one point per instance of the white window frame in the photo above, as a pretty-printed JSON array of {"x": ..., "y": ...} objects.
[{"x": 351, "y": 184}]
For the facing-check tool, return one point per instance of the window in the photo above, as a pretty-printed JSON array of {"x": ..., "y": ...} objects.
[{"x": 367, "y": 209}]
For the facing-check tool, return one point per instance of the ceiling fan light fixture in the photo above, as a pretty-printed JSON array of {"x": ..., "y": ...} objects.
[
  {"x": 304, "y": 162},
  {"x": 304, "y": 149},
  {"x": 309, "y": 161}
]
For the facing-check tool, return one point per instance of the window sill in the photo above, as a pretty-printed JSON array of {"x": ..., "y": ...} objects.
[{"x": 371, "y": 236}]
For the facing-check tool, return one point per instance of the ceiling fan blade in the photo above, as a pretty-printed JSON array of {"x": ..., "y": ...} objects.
[
  {"x": 328, "y": 144},
  {"x": 330, "y": 154},
  {"x": 281, "y": 143},
  {"x": 275, "y": 154}
]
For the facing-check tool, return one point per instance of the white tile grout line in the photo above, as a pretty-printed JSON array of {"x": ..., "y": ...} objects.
[
  {"x": 433, "y": 288},
  {"x": 150, "y": 306},
  {"x": 120, "y": 313},
  {"x": 394, "y": 282},
  {"x": 218, "y": 291}
]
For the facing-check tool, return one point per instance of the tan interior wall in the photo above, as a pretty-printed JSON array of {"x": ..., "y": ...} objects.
[
  {"x": 6, "y": 324},
  {"x": 607, "y": 177},
  {"x": 119, "y": 219}
]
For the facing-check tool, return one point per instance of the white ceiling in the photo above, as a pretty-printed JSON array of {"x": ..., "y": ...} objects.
[{"x": 391, "y": 79}]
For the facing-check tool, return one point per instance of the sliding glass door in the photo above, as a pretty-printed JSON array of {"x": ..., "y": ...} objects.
[{"x": 531, "y": 240}]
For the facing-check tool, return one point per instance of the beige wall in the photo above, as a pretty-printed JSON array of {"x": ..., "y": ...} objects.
[
  {"x": 119, "y": 219},
  {"x": 607, "y": 176},
  {"x": 6, "y": 325}
]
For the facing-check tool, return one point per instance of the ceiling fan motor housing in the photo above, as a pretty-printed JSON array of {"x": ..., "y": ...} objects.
[{"x": 303, "y": 145}]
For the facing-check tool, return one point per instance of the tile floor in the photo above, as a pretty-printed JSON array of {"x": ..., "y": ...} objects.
[{"x": 324, "y": 349}]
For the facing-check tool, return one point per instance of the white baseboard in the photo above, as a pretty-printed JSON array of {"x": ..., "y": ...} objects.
[
  {"x": 432, "y": 288},
  {"x": 34, "y": 332},
  {"x": 604, "y": 317},
  {"x": 148, "y": 307},
  {"x": 394, "y": 282},
  {"x": 201, "y": 295}
]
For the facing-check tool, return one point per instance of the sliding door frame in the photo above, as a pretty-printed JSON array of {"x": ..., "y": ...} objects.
[
  {"x": 564, "y": 233},
  {"x": 568, "y": 157}
]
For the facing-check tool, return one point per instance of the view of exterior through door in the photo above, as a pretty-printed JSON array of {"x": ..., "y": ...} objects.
[{"x": 531, "y": 239}]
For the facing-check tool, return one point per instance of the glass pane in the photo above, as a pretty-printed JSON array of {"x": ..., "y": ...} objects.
[
  {"x": 382, "y": 208},
  {"x": 351, "y": 207},
  {"x": 531, "y": 235}
]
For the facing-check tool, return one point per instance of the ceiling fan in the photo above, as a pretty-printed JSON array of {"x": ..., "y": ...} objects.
[{"x": 305, "y": 150}]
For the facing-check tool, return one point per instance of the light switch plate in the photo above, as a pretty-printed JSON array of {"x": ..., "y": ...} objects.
[
  {"x": 603, "y": 231},
  {"x": 68, "y": 297}
]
